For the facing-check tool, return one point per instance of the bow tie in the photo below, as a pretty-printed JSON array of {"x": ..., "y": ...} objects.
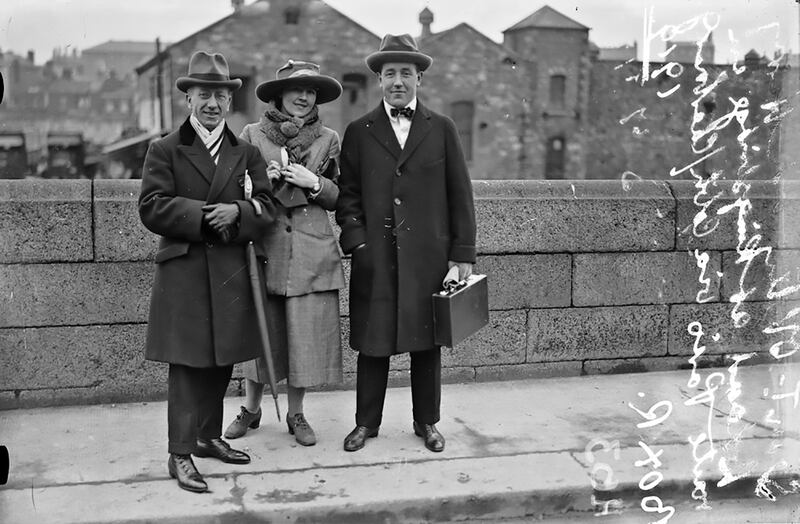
[{"x": 406, "y": 112}]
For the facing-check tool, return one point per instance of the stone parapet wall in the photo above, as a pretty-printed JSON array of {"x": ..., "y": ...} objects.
[{"x": 584, "y": 277}]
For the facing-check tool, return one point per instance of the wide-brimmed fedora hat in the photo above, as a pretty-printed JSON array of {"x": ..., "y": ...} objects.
[
  {"x": 294, "y": 73},
  {"x": 398, "y": 48},
  {"x": 208, "y": 69}
]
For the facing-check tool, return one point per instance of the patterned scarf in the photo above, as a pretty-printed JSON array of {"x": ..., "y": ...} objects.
[
  {"x": 294, "y": 133},
  {"x": 211, "y": 139}
]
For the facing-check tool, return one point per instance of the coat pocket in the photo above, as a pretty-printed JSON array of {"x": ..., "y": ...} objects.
[{"x": 170, "y": 250}]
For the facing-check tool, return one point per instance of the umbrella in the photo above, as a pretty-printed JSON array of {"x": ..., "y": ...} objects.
[{"x": 258, "y": 297}]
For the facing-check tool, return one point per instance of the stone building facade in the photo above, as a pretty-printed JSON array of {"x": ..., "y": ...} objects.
[
  {"x": 544, "y": 103},
  {"x": 257, "y": 39}
]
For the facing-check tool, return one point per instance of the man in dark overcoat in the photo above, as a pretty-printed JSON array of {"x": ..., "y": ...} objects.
[
  {"x": 202, "y": 315},
  {"x": 407, "y": 215}
]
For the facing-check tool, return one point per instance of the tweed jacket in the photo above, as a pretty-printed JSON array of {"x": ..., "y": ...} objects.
[{"x": 302, "y": 251}]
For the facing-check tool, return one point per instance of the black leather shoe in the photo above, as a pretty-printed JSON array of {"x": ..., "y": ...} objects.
[
  {"x": 219, "y": 449},
  {"x": 434, "y": 440},
  {"x": 182, "y": 468},
  {"x": 356, "y": 439}
]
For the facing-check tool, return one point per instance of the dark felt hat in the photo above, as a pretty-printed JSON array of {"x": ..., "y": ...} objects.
[
  {"x": 398, "y": 48},
  {"x": 210, "y": 70},
  {"x": 294, "y": 73}
]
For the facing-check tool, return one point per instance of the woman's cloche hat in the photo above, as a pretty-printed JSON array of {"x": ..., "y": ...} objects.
[
  {"x": 295, "y": 72},
  {"x": 210, "y": 70},
  {"x": 398, "y": 48}
]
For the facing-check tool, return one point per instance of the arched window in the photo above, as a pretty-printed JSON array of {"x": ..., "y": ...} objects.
[
  {"x": 463, "y": 114},
  {"x": 558, "y": 84}
]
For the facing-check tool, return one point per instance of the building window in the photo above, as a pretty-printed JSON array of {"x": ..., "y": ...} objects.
[
  {"x": 557, "y": 87},
  {"x": 463, "y": 114},
  {"x": 242, "y": 97},
  {"x": 291, "y": 16},
  {"x": 554, "y": 163},
  {"x": 354, "y": 96},
  {"x": 354, "y": 85}
]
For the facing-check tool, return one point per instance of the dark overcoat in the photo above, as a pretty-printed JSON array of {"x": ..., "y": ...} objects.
[
  {"x": 413, "y": 209},
  {"x": 201, "y": 309}
]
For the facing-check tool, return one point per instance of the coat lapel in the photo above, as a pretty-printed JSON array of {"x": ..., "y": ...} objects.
[
  {"x": 229, "y": 156},
  {"x": 382, "y": 131},
  {"x": 420, "y": 127},
  {"x": 194, "y": 149}
]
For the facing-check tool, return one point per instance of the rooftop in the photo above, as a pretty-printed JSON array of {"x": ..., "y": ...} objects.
[{"x": 547, "y": 17}]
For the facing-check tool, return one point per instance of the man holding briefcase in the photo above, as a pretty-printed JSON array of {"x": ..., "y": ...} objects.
[{"x": 407, "y": 214}]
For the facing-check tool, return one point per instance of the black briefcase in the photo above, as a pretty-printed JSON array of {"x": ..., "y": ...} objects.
[{"x": 460, "y": 310}]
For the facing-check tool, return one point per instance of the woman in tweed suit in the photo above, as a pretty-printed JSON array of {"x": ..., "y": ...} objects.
[{"x": 303, "y": 268}]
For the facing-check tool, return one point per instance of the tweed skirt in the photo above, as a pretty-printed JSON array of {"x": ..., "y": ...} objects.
[{"x": 305, "y": 339}]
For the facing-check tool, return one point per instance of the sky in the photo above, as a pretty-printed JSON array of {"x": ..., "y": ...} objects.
[{"x": 42, "y": 25}]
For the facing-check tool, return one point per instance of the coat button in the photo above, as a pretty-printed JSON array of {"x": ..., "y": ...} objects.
[
  {"x": 397, "y": 201},
  {"x": 288, "y": 213},
  {"x": 288, "y": 229},
  {"x": 398, "y": 173}
]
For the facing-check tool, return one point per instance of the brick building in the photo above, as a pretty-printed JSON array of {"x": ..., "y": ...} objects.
[{"x": 544, "y": 103}]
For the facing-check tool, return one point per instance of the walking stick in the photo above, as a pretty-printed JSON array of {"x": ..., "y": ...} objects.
[{"x": 258, "y": 298}]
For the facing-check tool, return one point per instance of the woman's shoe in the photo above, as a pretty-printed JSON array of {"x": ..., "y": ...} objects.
[
  {"x": 243, "y": 420},
  {"x": 298, "y": 426}
]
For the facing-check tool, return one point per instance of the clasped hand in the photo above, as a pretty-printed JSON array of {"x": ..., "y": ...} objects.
[
  {"x": 296, "y": 174},
  {"x": 221, "y": 218}
]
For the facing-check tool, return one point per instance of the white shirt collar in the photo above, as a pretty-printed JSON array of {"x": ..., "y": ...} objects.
[{"x": 388, "y": 107}]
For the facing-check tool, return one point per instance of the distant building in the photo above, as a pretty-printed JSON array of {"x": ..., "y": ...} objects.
[
  {"x": 686, "y": 52},
  {"x": 116, "y": 57},
  {"x": 92, "y": 93},
  {"x": 622, "y": 53},
  {"x": 544, "y": 103}
]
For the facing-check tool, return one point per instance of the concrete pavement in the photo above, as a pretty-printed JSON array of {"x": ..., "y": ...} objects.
[{"x": 531, "y": 449}]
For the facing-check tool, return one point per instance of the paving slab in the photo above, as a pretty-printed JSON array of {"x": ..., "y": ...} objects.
[{"x": 528, "y": 448}]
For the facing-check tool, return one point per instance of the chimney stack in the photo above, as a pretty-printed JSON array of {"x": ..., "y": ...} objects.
[
  {"x": 30, "y": 55},
  {"x": 237, "y": 5},
  {"x": 426, "y": 19}
]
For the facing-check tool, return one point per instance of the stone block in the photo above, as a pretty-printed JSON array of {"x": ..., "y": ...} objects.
[
  {"x": 528, "y": 371},
  {"x": 458, "y": 375},
  {"x": 606, "y": 279},
  {"x": 82, "y": 365},
  {"x": 789, "y": 217},
  {"x": 527, "y": 281},
  {"x": 719, "y": 332},
  {"x": 601, "y": 332},
  {"x": 74, "y": 294},
  {"x": 45, "y": 221},
  {"x": 106, "y": 362},
  {"x": 715, "y": 226},
  {"x": 38, "y": 358},
  {"x": 640, "y": 365},
  {"x": 118, "y": 232},
  {"x": 756, "y": 278},
  {"x": 9, "y": 399},
  {"x": 501, "y": 341},
  {"x": 573, "y": 216},
  {"x": 38, "y": 398}
]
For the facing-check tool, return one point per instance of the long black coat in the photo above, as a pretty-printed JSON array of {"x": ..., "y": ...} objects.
[
  {"x": 201, "y": 309},
  {"x": 414, "y": 210}
]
